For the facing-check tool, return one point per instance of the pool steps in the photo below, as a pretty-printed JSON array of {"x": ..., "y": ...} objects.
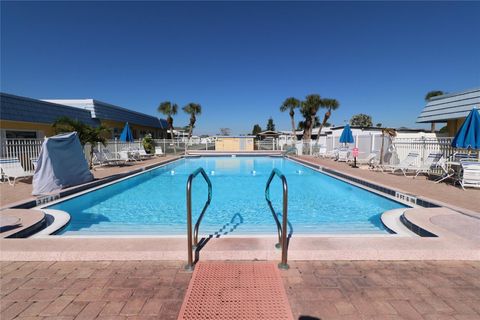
[
  {"x": 391, "y": 219},
  {"x": 56, "y": 220}
]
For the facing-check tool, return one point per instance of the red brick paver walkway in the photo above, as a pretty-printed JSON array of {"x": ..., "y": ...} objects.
[{"x": 319, "y": 289}]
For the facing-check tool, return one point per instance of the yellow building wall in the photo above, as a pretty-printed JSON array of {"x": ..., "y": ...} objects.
[
  {"x": 234, "y": 144},
  {"x": 136, "y": 129},
  {"x": 42, "y": 128},
  {"x": 454, "y": 125}
]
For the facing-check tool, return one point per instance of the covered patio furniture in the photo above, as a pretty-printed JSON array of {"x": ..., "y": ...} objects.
[
  {"x": 12, "y": 170},
  {"x": 61, "y": 164}
]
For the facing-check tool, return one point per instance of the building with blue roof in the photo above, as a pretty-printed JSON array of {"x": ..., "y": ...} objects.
[
  {"x": 450, "y": 108},
  {"x": 27, "y": 118},
  {"x": 115, "y": 117}
]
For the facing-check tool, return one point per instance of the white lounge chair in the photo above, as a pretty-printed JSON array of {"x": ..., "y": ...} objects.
[
  {"x": 406, "y": 164},
  {"x": 159, "y": 151},
  {"x": 104, "y": 158},
  {"x": 144, "y": 155},
  {"x": 126, "y": 156},
  {"x": 332, "y": 154},
  {"x": 470, "y": 175},
  {"x": 12, "y": 169},
  {"x": 371, "y": 160},
  {"x": 343, "y": 155},
  {"x": 433, "y": 161},
  {"x": 321, "y": 153}
]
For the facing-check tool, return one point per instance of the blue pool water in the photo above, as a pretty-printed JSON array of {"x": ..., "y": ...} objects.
[{"x": 153, "y": 203}]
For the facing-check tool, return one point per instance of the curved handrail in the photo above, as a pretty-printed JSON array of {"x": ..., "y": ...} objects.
[
  {"x": 189, "y": 213},
  {"x": 281, "y": 228}
]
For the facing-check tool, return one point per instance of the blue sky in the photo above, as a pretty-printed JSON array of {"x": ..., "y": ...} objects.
[{"x": 241, "y": 60}]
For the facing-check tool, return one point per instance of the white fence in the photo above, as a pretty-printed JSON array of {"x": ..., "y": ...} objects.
[
  {"x": 23, "y": 149},
  {"x": 424, "y": 146},
  {"x": 27, "y": 149}
]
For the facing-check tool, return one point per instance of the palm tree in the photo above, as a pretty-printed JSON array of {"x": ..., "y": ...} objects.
[
  {"x": 391, "y": 133},
  {"x": 169, "y": 109},
  {"x": 86, "y": 133},
  {"x": 433, "y": 93},
  {"x": 330, "y": 104},
  {"x": 192, "y": 109},
  {"x": 291, "y": 104},
  {"x": 309, "y": 110}
]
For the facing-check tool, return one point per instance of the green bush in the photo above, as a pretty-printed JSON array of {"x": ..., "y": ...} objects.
[{"x": 148, "y": 144}]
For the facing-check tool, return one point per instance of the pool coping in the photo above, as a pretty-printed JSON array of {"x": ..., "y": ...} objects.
[
  {"x": 43, "y": 206},
  {"x": 408, "y": 197},
  {"x": 42, "y": 200}
]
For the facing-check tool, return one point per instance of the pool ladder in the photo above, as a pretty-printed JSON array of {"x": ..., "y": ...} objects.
[
  {"x": 281, "y": 228},
  {"x": 192, "y": 238},
  {"x": 192, "y": 243}
]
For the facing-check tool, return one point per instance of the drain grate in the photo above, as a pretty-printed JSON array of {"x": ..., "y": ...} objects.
[{"x": 235, "y": 291}]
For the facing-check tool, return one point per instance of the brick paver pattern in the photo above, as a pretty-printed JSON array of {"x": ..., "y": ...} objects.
[{"x": 318, "y": 289}]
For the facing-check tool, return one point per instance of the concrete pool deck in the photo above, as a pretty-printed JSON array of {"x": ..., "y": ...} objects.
[{"x": 423, "y": 290}]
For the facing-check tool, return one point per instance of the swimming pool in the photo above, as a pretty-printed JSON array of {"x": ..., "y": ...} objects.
[{"x": 153, "y": 203}]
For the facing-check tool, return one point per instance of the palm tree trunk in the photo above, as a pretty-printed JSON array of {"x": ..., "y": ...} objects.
[
  {"x": 325, "y": 119},
  {"x": 91, "y": 157},
  {"x": 294, "y": 135},
  {"x": 173, "y": 140}
]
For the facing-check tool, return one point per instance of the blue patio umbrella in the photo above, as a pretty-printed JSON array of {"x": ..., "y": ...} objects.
[
  {"x": 346, "y": 136},
  {"x": 468, "y": 137},
  {"x": 126, "y": 135}
]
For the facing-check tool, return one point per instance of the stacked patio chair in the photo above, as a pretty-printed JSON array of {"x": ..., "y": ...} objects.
[
  {"x": 470, "y": 174},
  {"x": 12, "y": 170},
  {"x": 405, "y": 165}
]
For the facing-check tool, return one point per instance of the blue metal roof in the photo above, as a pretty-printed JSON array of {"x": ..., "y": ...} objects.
[
  {"x": 106, "y": 111},
  {"x": 17, "y": 108},
  {"x": 450, "y": 106}
]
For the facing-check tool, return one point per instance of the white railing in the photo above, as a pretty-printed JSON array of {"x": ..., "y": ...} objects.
[
  {"x": 424, "y": 146},
  {"x": 23, "y": 149}
]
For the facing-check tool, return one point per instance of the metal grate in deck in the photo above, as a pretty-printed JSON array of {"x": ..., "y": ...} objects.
[{"x": 222, "y": 290}]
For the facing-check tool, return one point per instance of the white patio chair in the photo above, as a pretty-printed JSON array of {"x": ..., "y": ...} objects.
[
  {"x": 332, "y": 154},
  {"x": 104, "y": 157},
  {"x": 126, "y": 156},
  {"x": 343, "y": 155},
  {"x": 159, "y": 151},
  {"x": 371, "y": 160},
  {"x": 406, "y": 164},
  {"x": 12, "y": 169},
  {"x": 433, "y": 161},
  {"x": 34, "y": 162},
  {"x": 470, "y": 174},
  {"x": 319, "y": 151},
  {"x": 144, "y": 155}
]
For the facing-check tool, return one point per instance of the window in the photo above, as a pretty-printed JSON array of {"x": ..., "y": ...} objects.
[{"x": 11, "y": 134}]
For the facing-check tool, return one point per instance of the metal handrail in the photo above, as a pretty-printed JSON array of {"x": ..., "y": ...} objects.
[
  {"x": 281, "y": 228},
  {"x": 191, "y": 246}
]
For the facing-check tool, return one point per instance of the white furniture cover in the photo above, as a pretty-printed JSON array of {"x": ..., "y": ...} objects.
[{"x": 61, "y": 164}]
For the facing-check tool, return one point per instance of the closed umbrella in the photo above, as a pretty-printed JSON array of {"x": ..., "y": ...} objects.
[
  {"x": 126, "y": 135},
  {"x": 347, "y": 136}
]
